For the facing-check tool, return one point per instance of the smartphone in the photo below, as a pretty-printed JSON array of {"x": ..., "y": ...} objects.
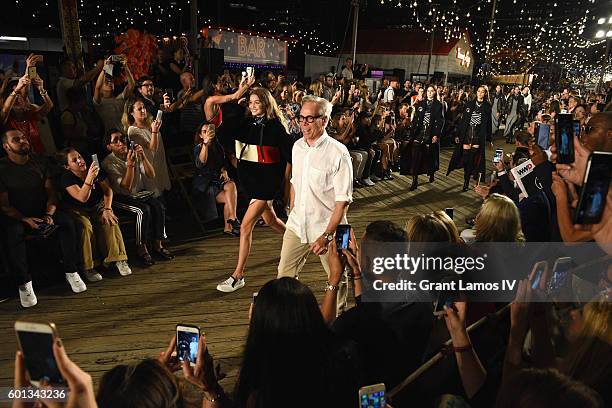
[
  {"x": 170, "y": 93},
  {"x": 564, "y": 130},
  {"x": 537, "y": 273},
  {"x": 130, "y": 143},
  {"x": 542, "y": 133},
  {"x": 343, "y": 234},
  {"x": 94, "y": 160},
  {"x": 250, "y": 72},
  {"x": 36, "y": 343},
  {"x": 445, "y": 298},
  {"x": 115, "y": 58},
  {"x": 561, "y": 275},
  {"x": 108, "y": 70},
  {"x": 372, "y": 396},
  {"x": 499, "y": 154},
  {"x": 159, "y": 115},
  {"x": 596, "y": 183},
  {"x": 577, "y": 127},
  {"x": 187, "y": 340},
  {"x": 450, "y": 212},
  {"x": 32, "y": 72}
]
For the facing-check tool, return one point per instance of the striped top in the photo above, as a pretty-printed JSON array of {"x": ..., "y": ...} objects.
[
  {"x": 476, "y": 118},
  {"x": 427, "y": 117}
]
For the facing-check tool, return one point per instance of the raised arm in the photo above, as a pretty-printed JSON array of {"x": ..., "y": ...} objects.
[
  {"x": 48, "y": 105},
  {"x": 24, "y": 82},
  {"x": 99, "y": 82},
  {"x": 82, "y": 194}
]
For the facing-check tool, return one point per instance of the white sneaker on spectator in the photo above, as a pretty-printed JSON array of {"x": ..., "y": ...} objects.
[
  {"x": 76, "y": 283},
  {"x": 230, "y": 284},
  {"x": 123, "y": 268},
  {"x": 367, "y": 182},
  {"x": 92, "y": 276},
  {"x": 27, "y": 295}
]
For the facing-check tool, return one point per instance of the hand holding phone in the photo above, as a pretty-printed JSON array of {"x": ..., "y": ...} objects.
[
  {"x": 36, "y": 344},
  {"x": 372, "y": 396},
  {"x": 499, "y": 154},
  {"x": 343, "y": 235},
  {"x": 564, "y": 140},
  {"x": 32, "y": 74},
  {"x": 539, "y": 275},
  {"x": 594, "y": 193}
]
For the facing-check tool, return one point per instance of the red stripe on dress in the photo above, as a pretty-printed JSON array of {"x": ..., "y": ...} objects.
[{"x": 268, "y": 154}]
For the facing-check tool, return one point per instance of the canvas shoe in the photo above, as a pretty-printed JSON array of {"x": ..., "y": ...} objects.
[
  {"x": 92, "y": 275},
  {"x": 76, "y": 283},
  {"x": 123, "y": 268},
  {"x": 367, "y": 182},
  {"x": 230, "y": 284},
  {"x": 27, "y": 295}
]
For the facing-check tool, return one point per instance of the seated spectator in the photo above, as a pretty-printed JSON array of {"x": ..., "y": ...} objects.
[
  {"x": 18, "y": 113},
  {"x": 126, "y": 170},
  {"x": 342, "y": 128},
  {"x": 498, "y": 221},
  {"x": 450, "y": 225},
  {"x": 29, "y": 208},
  {"x": 403, "y": 327},
  {"x": 107, "y": 105},
  {"x": 190, "y": 105},
  {"x": 90, "y": 197},
  {"x": 212, "y": 185},
  {"x": 522, "y": 139},
  {"x": 144, "y": 131}
]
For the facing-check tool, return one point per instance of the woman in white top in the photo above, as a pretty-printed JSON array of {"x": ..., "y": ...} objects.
[{"x": 144, "y": 131}]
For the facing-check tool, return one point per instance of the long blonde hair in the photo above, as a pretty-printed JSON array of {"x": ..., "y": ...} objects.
[
  {"x": 270, "y": 106},
  {"x": 127, "y": 119},
  {"x": 427, "y": 228},
  {"x": 449, "y": 224},
  {"x": 498, "y": 221},
  {"x": 590, "y": 357}
]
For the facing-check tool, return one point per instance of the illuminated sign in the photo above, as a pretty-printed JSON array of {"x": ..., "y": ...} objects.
[{"x": 464, "y": 57}]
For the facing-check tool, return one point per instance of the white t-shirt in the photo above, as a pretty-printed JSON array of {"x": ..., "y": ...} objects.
[
  {"x": 110, "y": 111},
  {"x": 63, "y": 84},
  {"x": 347, "y": 73},
  {"x": 115, "y": 169},
  {"x": 322, "y": 175},
  {"x": 389, "y": 95}
]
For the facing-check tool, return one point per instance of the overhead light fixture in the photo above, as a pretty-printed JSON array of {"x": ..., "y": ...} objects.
[
  {"x": 7, "y": 38},
  {"x": 609, "y": 34},
  {"x": 601, "y": 20},
  {"x": 600, "y": 34}
]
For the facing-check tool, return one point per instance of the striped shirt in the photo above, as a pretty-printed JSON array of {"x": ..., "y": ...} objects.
[
  {"x": 476, "y": 118},
  {"x": 427, "y": 117}
]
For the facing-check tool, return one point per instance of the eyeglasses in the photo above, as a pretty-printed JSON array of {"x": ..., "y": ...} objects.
[
  {"x": 147, "y": 84},
  {"x": 308, "y": 119},
  {"x": 119, "y": 140}
]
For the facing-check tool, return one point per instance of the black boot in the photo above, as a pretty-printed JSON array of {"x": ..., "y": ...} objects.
[
  {"x": 431, "y": 178},
  {"x": 467, "y": 168},
  {"x": 415, "y": 183},
  {"x": 466, "y": 184}
]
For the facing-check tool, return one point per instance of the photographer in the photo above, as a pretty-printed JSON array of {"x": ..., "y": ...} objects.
[
  {"x": 29, "y": 208},
  {"x": 109, "y": 106},
  {"x": 127, "y": 168}
]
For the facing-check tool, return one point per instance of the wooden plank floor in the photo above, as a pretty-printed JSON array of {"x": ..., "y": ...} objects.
[{"x": 124, "y": 319}]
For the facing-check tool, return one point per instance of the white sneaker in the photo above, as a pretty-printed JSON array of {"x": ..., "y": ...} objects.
[
  {"x": 123, "y": 268},
  {"x": 76, "y": 283},
  {"x": 367, "y": 182},
  {"x": 230, "y": 284},
  {"x": 93, "y": 276},
  {"x": 27, "y": 295}
]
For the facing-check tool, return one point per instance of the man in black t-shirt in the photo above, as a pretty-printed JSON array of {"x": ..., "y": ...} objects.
[{"x": 28, "y": 209}]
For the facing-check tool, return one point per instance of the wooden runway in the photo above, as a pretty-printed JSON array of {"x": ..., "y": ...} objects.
[{"x": 124, "y": 319}]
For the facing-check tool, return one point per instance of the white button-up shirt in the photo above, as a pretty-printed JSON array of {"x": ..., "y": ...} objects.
[{"x": 321, "y": 176}]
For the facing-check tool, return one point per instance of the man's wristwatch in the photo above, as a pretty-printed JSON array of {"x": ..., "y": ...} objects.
[{"x": 329, "y": 236}]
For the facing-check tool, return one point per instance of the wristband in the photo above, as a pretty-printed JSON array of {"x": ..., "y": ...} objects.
[
  {"x": 355, "y": 277},
  {"x": 462, "y": 349},
  {"x": 331, "y": 287},
  {"x": 42, "y": 92},
  {"x": 130, "y": 165},
  {"x": 107, "y": 209},
  {"x": 88, "y": 184}
]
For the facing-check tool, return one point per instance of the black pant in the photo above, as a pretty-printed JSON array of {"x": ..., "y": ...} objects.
[
  {"x": 15, "y": 233},
  {"x": 150, "y": 216}
]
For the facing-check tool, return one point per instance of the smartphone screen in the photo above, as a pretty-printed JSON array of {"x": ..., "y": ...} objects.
[
  {"x": 372, "y": 396},
  {"x": 37, "y": 351},
  {"x": 543, "y": 134},
  {"x": 595, "y": 189},
  {"x": 445, "y": 298},
  {"x": 159, "y": 115},
  {"x": 563, "y": 138},
  {"x": 343, "y": 234},
  {"x": 450, "y": 212},
  {"x": 32, "y": 72},
  {"x": 187, "y": 340},
  {"x": 560, "y": 275},
  {"x": 536, "y": 277},
  {"x": 577, "y": 128},
  {"x": 499, "y": 153},
  {"x": 94, "y": 160}
]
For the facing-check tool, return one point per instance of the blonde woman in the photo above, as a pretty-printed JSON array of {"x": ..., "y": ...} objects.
[
  {"x": 498, "y": 221},
  {"x": 144, "y": 131},
  {"x": 263, "y": 150},
  {"x": 316, "y": 88}
]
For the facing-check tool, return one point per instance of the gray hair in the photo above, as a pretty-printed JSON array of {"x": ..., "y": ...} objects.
[{"x": 325, "y": 106}]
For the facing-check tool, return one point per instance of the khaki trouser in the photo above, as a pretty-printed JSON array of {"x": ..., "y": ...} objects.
[
  {"x": 293, "y": 257},
  {"x": 101, "y": 243}
]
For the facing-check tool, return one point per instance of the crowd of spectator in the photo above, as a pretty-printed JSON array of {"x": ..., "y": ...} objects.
[{"x": 252, "y": 138}]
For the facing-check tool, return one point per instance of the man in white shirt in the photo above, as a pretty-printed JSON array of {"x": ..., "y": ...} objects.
[
  {"x": 527, "y": 100},
  {"x": 321, "y": 191},
  {"x": 389, "y": 95},
  {"x": 347, "y": 71}
]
